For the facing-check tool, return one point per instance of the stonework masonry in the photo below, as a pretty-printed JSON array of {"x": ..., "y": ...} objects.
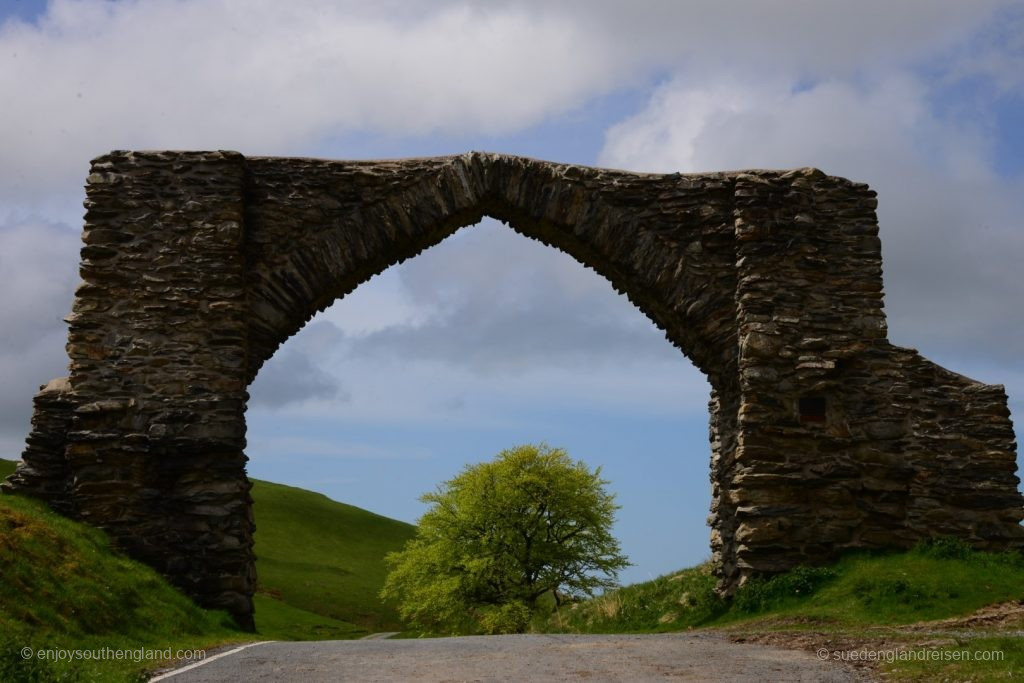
[{"x": 196, "y": 266}]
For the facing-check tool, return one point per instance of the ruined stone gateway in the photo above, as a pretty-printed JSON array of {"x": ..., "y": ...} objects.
[{"x": 198, "y": 265}]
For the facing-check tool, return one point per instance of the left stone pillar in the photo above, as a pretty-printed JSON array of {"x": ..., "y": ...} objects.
[
  {"x": 158, "y": 348},
  {"x": 43, "y": 470}
]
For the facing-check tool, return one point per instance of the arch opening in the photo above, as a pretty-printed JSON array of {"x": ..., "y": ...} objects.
[
  {"x": 679, "y": 273},
  {"x": 510, "y": 342}
]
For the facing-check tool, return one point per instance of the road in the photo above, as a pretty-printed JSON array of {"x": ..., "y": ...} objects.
[{"x": 699, "y": 656}]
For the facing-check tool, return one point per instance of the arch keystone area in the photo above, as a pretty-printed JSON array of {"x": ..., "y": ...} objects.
[{"x": 196, "y": 266}]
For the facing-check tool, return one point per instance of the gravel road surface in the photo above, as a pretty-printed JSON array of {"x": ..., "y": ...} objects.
[{"x": 678, "y": 656}]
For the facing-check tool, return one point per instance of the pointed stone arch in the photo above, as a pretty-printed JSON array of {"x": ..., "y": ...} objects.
[
  {"x": 606, "y": 220},
  {"x": 198, "y": 265}
]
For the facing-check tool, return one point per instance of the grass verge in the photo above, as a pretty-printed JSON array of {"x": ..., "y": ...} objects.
[
  {"x": 71, "y": 609},
  {"x": 912, "y": 602},
  {"x": 64, "y": 589}
]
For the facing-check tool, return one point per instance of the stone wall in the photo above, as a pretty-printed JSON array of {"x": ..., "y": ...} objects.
[
  {"x": 158, "y": 347},
  {"x": 43, "y": 471},
  {"x": 198, "y": 265},
  {"x": 902, "y": 450}
]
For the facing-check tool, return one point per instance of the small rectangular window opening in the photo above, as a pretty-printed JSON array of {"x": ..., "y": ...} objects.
[{"x": 812, "y": 409}]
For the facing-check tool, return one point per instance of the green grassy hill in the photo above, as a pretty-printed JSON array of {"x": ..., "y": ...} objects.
[
  {"x": 61, "y": 586},
  {"x": 315, "y": 556},
  {"x": 320, "y": 567}
]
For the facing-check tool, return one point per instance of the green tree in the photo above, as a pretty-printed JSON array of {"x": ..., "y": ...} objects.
[{"x": 502, "y": 534}]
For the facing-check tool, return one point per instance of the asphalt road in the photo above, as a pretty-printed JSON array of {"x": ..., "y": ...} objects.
[{"x": 678, "y": 656}]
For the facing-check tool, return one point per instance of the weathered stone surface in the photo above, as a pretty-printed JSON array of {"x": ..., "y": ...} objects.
[
  {"x": 198, "y": 265},
  {"x": 43, "y": 471}
]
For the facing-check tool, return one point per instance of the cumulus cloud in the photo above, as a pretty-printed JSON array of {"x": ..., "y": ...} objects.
[
  {"x": 277, "y": 78},
  {"x": 294, "y": 378},
  {"x": 950, "y": 225},
  {"x": 271, "y": 77},
  {"x": 297, "y": 373},
  {"x": 747, "y": 84},
  {"x": 802, "y": 37},
  {"x": 480, "y": 326},
  {"x": 495, "y": 301},
  {"x": 998, "y": 57}
]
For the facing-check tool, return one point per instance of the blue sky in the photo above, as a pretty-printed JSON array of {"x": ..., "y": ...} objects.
[{"x": 490, "y": 340}]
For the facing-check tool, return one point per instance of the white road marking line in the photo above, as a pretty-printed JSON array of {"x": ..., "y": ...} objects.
[{"x": 206, "y": 661}]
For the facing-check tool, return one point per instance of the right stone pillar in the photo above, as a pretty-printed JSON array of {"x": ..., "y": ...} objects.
[{"x": 843, "y": 440}]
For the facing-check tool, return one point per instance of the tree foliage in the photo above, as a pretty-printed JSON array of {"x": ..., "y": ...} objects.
[{"x": 502, "y": 534}]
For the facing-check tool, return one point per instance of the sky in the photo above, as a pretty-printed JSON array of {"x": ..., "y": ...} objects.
[{"x": 490, "y": 340}]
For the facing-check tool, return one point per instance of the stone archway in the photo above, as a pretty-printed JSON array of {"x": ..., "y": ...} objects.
[{"x": 198, "y": 265}]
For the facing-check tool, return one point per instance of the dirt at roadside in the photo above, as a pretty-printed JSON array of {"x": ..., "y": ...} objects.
[
  {"x": 1004, "y": 616},
  {"x": 1004, "y": 619}
]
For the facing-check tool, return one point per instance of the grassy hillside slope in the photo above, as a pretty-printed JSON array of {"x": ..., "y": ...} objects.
[
  {"x": 320, "y": 567},
  {"x": 324, "y": 558},
  {"x": 61, "y": 586},
  {"x": 920, "y": 599},
  {"x": 924, "y": 584},
  {"x": 7, "y": 467}
]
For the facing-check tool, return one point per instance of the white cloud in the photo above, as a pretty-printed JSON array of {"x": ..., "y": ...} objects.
[
  {"x": 298, "y": 372},
  {"x": 278, "y": 78},
  {"x": 797, "y": 37},
  {"x": 999, "y": 57},
  {"x": 272, "y": 77},
  {"x": 949, "y": 225},
  {"x": 951, "y": 234},
  {"x": 501, "y": 324},
  {"x": 496, "y": 301},
  {"x": 294, "y": 377},
  {"x": 381, "y": 303},
  {"x": 417, "y": 392}
]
